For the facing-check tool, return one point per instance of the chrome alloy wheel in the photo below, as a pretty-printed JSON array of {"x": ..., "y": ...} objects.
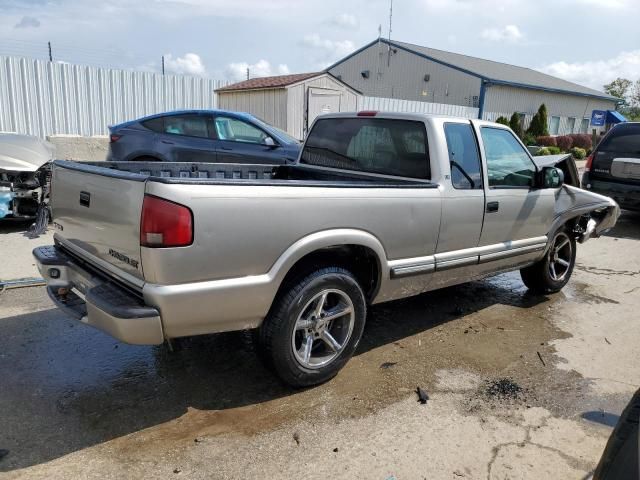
[
  {"x": 323, "y": 328},
  {"x": 560, "y": 257}
]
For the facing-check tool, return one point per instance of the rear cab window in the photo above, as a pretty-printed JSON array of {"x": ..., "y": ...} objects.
[
  {"x": 373, "y": 145},
  {"x": 623, "y": 139}
]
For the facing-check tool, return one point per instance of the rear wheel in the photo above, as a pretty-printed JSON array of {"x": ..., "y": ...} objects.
[
  {"x": 552, "y": 272},
  {"x": 314, "y": 327}
]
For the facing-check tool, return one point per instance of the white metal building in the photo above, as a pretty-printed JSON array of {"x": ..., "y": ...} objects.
[
  {"x": 399, "y": 70},
  {"x": 289, "y": 102}
]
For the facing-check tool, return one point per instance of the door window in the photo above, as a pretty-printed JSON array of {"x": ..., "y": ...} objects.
[
  {"x": 508, "y": 164},
  {"x": 190, "y": 125},
  {"x": 236, "y": 130},
  {"x": 463, "y": 156}
]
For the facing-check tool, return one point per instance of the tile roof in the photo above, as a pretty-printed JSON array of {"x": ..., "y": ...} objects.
[{"x": 278, "y": 81}]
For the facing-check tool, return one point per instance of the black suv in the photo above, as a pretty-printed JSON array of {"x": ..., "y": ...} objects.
[{"x": 613, "y": 169}]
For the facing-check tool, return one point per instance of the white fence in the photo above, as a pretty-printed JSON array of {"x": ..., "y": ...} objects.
[
  {"x": 398, "y": 105},
  {"x": 43, "y": 98}
]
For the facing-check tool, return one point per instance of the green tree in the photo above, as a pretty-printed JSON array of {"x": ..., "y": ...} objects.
[
  {"x": 543, "y": 120},
  {"x": 502, "y": 120},
  {"x": 539, "y": 126},
  {"x": 634, "y": 98},
  {"x": 618, "y": 88},
  {"x": 515, "y": 124}
]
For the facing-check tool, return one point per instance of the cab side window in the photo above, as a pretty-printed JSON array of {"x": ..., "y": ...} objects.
[
  {"x": 191, "y": 125},
  {"x": 508, "y": 163},
  {"x": 466, "y": 173}
]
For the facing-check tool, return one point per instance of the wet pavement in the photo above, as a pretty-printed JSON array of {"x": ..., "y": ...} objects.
[{"x": 77, "y": 403}]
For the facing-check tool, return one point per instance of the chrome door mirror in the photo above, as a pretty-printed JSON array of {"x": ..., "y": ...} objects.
[{"x": 270, "y": 142}]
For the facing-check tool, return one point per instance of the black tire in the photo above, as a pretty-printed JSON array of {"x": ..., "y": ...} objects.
[
  {"x": 620, "y": 457},
  {"x": 539, "y": 277},
  {"x": 146, "y": 158},
  {"x": 277, "y": 334}
]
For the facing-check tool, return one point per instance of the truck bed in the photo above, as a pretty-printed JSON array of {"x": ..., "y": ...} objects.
[{"x": 241, "y": 174}]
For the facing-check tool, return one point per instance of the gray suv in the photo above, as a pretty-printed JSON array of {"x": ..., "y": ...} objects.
[{"x": 215, "y": 136}]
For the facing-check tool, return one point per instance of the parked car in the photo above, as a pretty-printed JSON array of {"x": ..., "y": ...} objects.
[
  {"x": 613, "y": 168},
  {"x": 24, "y": 176},
  {"x": 201, "y": 136},
  {"x": 379, "y": 206}
]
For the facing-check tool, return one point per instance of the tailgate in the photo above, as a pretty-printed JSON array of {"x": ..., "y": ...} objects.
[{"x": 96, "y": 211}]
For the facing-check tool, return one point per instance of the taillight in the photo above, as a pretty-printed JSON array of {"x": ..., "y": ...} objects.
[
  {"x": 587, "y": 166},
  {"x": 165, "y": 224},
  {"x": 367, "y": 113},
  {"x": 114, "y": 138}
]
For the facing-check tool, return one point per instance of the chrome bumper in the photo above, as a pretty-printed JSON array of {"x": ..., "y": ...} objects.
[{"x": 96, "y": 301}]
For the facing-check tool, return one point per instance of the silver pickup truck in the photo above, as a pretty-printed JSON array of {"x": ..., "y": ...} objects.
[{"x": 379, "y": 206}]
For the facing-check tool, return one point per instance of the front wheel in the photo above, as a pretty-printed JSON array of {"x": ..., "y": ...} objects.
[
  {"x": 314, "y": 327},
  {"x": 552, "y": 272}
]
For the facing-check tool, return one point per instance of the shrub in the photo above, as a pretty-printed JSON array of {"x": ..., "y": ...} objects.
[
  {"x": 578, "y": 153},
  {"x": 564, "y": 142},
  {"x": 515, "y": 124},
  {"x": 529, "y": 139},
  {"x": 554, "y": 150},
  {"x": 546, "y": 141},
  {"x": 543, "y": 151},
  {"x": 502, "y": 120},
  {"x": 581, "y": 140}
]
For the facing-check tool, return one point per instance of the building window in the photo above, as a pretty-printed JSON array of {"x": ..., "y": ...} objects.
[
  {"x": 571, "y": 124},
  {"x": 584, "y": 125},
  {"x": 554, "y": 125}
]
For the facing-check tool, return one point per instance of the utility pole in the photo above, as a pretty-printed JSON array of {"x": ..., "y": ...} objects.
[
  {"x": 162, "y": 64},
  {"x": 247, "y": 73},
  {"x": 390, "y": 20},
  {"x": 50, "y": 56}
]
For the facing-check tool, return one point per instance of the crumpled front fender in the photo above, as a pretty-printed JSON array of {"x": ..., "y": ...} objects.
[{"x": 573, "y": 202}]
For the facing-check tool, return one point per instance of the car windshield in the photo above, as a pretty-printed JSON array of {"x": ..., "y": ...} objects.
[{"x": 282, "y": 135}]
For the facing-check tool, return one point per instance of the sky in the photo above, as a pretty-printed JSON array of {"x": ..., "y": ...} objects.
[{"x": 590, "y": 42}]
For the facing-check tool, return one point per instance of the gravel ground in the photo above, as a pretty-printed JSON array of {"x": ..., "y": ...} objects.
[{"x": 520, "y": 387}]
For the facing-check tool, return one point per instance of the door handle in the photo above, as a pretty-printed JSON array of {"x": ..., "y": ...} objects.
[
  {"x": 228, "y": 149},
  {"x": 492, "y": 207},
  {"x": 167, "y": 142}
]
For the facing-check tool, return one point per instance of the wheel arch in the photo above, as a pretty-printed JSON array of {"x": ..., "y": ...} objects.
[{"x": 358, "y": 251}]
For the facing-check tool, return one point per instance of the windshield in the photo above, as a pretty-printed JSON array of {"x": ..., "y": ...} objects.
[{"x": 282, "y": 135}]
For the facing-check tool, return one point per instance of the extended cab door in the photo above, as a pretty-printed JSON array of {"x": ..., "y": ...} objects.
[
  {"x": 242, "y": 142},
  {"x": 514, "y": 209}
]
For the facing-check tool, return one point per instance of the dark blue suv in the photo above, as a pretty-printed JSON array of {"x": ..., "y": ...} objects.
[{"x": 215, "y": 136}]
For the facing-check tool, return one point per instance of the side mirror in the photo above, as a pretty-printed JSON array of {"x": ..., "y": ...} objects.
[
  {"x": 552, "y": 177},
  {"x": 269, "y": 142}
]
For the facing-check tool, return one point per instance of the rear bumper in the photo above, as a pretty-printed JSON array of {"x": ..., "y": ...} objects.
[
  {"x": 625, "y": 195},
  {"x": 92, "y": 299}
]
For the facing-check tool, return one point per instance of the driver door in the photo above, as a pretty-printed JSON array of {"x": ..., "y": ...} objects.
[
  {"x": 242, "y": 142},
  {"x": 514, "y": 209}
]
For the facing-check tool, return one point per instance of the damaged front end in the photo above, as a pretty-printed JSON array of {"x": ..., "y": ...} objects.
[
  {"x": 588, "y": 214},
  {"x": 25, "y": 174}
]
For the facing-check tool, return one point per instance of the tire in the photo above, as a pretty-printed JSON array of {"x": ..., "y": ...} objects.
[
  {"x": 552, "y": 272},
  {"x": 145, "y": 159},
  {"x": 314, "y": 326}
]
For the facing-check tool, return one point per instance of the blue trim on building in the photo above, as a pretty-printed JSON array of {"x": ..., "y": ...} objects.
[{"x": 483, "y": 89}]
